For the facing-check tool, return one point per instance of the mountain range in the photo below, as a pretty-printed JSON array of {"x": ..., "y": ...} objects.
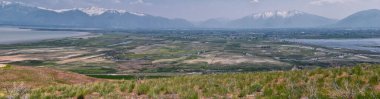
[
  {"x": 280, "y": 19},
  {"x": 12, "y": 13},
  {"x": 19, "y": 14}
]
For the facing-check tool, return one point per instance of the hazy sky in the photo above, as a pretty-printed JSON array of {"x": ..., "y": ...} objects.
[{"x": 198, "y": 10}]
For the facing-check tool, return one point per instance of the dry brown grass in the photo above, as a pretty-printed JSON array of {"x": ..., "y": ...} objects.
[
  {"x": 86, "y": 59},
  {"x": 35, "y": 77},
  {"x": 14, "y": 58}
]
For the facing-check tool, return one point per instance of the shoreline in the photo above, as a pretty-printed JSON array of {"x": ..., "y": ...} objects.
[{"x": 44, "y": 35}]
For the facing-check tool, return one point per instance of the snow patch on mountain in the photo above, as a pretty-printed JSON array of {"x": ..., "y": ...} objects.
[
  {"x": 4, "y": 3},
  {"x": 93, "y": 11},
  {"x": 10, "y": 3},
  {"x": 283, "y": 14},
  {"x": 62, "y": 10},
  {"x": 137, "y": 13}
]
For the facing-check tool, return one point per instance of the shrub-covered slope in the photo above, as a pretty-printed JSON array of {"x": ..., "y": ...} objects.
[{"x": 356, "y": 82}]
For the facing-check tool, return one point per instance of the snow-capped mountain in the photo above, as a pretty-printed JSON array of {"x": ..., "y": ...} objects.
[
  {"x": 281, "y": 19},
  {"x": 13, "y": 13},
  {"x": 367, "y": 18},
  {"x": 95, "y": 11}
]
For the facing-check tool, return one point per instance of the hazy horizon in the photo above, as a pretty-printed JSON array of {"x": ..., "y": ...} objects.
[{"x": 200, "y": 10}]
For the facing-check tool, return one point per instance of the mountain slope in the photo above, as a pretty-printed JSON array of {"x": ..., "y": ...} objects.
[
  {"x": 281, "y": 19},
  {"x": 21, "y": 14},
  {"x": 367, "y": 18}
]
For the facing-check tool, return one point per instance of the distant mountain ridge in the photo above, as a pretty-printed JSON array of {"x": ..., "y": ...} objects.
[
  {"x": 280, "y": 19},
  {"x": 367, "y": 18},
  {"x": 12, "y": 13},
  {"x": 19, "y": 14},
  {"x": 94, "y": 11},
  {"x": 214, "y": 23}
]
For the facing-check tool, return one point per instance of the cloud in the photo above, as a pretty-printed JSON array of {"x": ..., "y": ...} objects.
[
  {"x": 117, "y": 1},
  {"x": 254, "y": 1},
  {"x": 140, "y": 2},
  {"x": 323, "y": 2}
]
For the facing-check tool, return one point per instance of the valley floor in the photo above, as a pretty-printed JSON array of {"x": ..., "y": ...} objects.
[{"x": 186, "y": 52}]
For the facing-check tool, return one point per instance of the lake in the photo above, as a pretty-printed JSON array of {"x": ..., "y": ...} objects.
[
  {"x": 372, "y": 44},
  {"x": 15, "y": 35}
]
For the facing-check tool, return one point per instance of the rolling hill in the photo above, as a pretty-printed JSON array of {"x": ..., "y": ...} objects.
[{"x": 37, "y": 77}]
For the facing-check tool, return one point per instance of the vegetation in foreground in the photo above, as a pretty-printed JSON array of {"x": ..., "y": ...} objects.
[
  {"x": 360, "y": 82},
  {"x": 36, "y": 77}
]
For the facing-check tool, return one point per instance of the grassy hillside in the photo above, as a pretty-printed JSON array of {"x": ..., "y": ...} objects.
[
  {"x": 360, "y": 82},
  {"x": 35, "y": 77},
  {"x": 15, "y": 80}
]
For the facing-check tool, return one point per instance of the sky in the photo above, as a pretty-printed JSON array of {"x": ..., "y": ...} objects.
[{"x": 200, "y": 10}]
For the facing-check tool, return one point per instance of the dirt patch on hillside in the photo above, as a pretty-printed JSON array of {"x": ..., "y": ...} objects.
[
  {"x": 377, "y": 88},
  {"x": 168, "y": 60},
  {"x": 134, "y": 65},
  {"x": 146, "y": 49},
  {"x": 232, "y": 59},
  {"x": 14, "y": 58},
  {"x": 62, "y": 55},
  {"x": 35, "y": 77},
  {"x": 86, "y": 59}
]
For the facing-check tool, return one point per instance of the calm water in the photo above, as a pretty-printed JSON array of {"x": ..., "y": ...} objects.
[
  {"x": 372, "y": 44},
  {"x": 14, "y": 35}
]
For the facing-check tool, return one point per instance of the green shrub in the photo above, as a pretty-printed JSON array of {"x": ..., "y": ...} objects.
[
  {"x": 374, "y": 80},
  {"x": 190, "y": 95},
  {"x": 142, "y": 89},
  {"x": 256, "y": 87}
]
